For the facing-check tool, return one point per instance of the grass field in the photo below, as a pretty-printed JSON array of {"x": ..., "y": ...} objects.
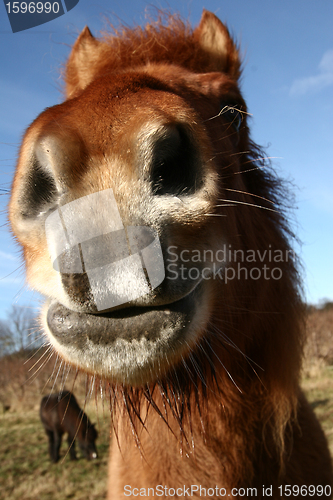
[
  {"x": 319, "y": 390},
  {"x": 26, "y": 472}
]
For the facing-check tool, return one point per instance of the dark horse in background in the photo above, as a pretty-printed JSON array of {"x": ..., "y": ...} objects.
[{"x": 60, "y": 414}]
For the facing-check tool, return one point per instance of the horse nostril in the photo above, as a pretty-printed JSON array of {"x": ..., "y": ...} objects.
[
  {"x": 40, "y": 191},
  {"x": 175, "y": 162},
  {"x": 78, "y": 288},
  {"x": 49, "y": 161}
]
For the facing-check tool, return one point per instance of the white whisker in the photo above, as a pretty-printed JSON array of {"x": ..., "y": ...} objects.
[
  {"x": 250, "y": 194},
  {"x": 238, "y": 202}
]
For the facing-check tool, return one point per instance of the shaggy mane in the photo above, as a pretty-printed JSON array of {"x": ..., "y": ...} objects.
[{"x": 168, "y": 39}]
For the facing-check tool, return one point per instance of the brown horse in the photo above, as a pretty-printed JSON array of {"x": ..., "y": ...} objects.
[
  {"x": 171, "y": 274},
  {"x": 61, "y": 414}
]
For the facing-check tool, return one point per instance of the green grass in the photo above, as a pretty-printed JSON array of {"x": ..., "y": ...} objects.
[{"x": 26, "y": 472}]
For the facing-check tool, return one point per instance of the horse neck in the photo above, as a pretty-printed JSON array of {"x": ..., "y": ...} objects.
[{"x": 165, "y": 452}]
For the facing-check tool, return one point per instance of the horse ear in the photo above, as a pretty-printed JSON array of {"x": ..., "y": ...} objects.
[
  {"x": 215, "y": 40},
  {"x": 79, "y": 68}
]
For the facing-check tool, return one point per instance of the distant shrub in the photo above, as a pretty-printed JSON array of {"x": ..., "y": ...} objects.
[{"x": 319, "y": 330}]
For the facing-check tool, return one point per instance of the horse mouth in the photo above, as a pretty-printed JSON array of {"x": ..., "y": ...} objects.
[{"x": 133, "y": 345}]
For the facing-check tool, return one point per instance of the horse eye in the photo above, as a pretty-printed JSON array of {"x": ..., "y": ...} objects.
[{"x": 232, "y": 114}]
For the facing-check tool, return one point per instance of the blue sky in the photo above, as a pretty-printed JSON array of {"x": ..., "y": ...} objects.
[{"x": 287, "y": 83}]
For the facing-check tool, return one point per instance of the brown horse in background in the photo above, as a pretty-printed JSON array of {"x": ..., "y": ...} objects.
[
  {"x": 61, "y": 414},
  {"x": 202, "y": 370}
]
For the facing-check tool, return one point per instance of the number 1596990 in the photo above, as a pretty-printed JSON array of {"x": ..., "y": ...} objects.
[{"x": 32, "y": 7}]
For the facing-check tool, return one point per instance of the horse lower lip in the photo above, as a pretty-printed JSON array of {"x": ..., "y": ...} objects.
[
  {"x": 73, "y": 328},
  {"x": 128, "y": 349}
]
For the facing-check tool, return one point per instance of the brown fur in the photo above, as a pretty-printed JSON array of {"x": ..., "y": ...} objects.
[{"x": 226, "y": 408}]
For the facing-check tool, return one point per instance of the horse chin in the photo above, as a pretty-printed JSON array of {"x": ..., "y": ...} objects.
[{"x": 130, "y": 346}]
